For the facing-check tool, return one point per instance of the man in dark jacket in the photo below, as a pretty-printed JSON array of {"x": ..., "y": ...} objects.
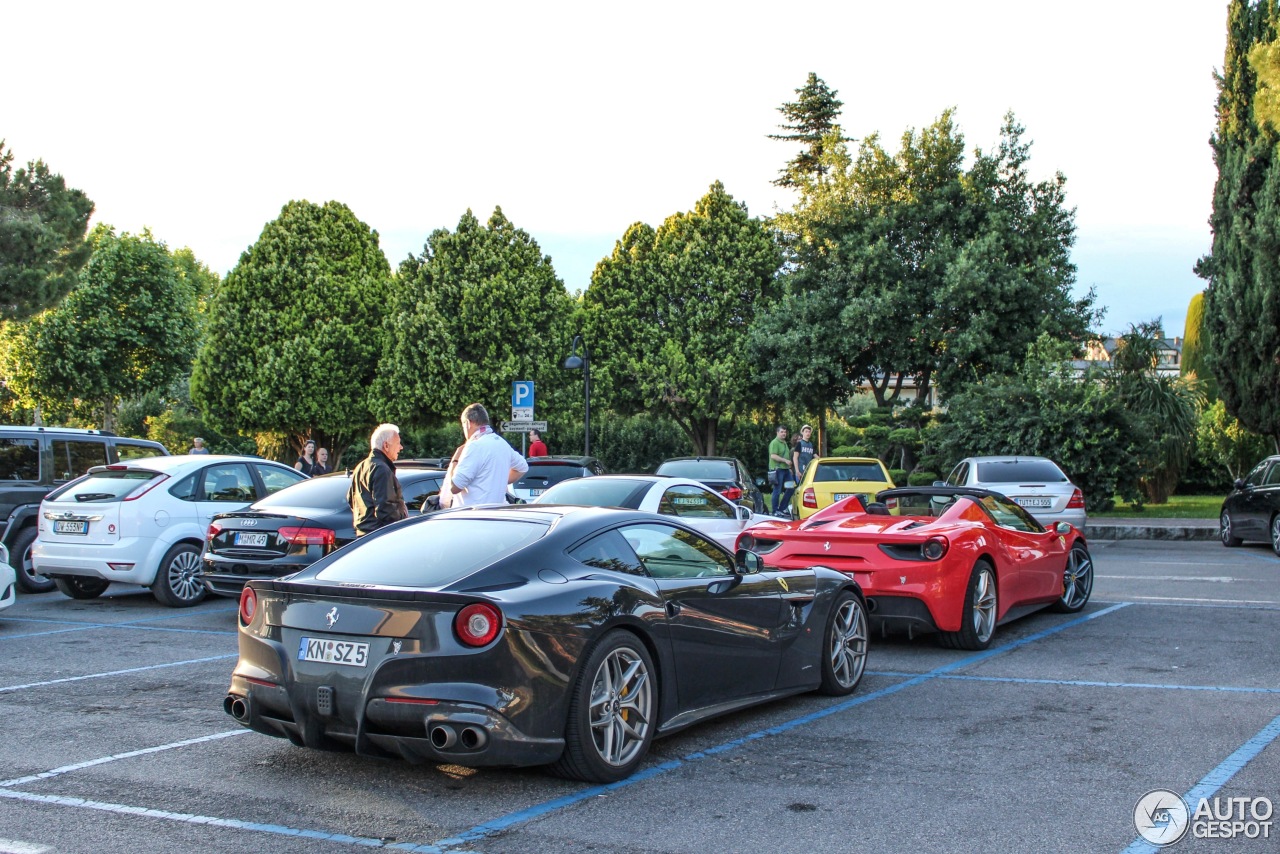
[{"x": 374, "y": 495}]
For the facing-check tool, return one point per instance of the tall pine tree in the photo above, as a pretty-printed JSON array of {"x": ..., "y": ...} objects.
[
  {"x": 1242, "y": 302},
  {"x": 811, "y": 118}
]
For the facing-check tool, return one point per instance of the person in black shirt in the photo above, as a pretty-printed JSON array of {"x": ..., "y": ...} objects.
[{"x": 374, "y": 494}]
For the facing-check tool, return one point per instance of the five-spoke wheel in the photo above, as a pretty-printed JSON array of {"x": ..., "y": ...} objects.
[
  {"x": 1077, "y": 580},
  {"x": 845, "y": 649},
  {"x": 978, "y": 619}
]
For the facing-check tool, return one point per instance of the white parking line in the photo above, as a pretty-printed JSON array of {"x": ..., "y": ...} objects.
[
  {"x": 1219, "y": 579},
  {"x": 48, "y": 682},
  {"x": 1226, "y": 602},
  {"x": 79, "y": 766},
  {"x": 13, "y": 846}
]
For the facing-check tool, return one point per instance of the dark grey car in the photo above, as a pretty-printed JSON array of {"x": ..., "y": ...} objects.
[{"x": 1252, "y": 510}]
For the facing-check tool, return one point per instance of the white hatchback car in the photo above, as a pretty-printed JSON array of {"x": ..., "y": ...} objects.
[
  {"x": 144, "y": 522},
  {"x": 1035, "y": 483},
  {"x": 691, "y": 501}
]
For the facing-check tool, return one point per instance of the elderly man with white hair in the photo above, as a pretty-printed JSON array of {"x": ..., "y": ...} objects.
[{"x": 374, "y": 495}]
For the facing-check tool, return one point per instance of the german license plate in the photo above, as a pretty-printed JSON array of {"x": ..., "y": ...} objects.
[
  {"x": 250, "y": 538},
  {"x": 333, "y": 651},
  {"x": 841, "y": 496},
  {"x": 1035, "y": 502},
  {"x": 70, "y": 527}
]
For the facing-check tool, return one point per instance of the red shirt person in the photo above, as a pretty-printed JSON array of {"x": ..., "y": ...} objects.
[{"x": 537, "y": 447}]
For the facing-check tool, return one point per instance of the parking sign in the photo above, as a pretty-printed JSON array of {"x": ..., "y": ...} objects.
[{"x": 522, "y": 400}]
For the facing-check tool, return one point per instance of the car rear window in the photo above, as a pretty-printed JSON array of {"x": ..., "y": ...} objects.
[
  {"x": 828, "y": 472},
  {"x": 698, "y": 469},
  {"x": 595, "y": 492},
  {"x": 540, "y": 477},
  {"x": 328, "y": 490},
  {"x": 435, "y": 552},
  {"x": 1020, "y": 471},
  {"x": 105, "y": 486}
]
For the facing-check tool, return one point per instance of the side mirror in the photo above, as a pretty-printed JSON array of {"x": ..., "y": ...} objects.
[
  {"x": 760, "y": 482},
  {"x": 744, "y": 513},
  {"x": 1063, "y": 527},
  {"x": 939, "y": 483},
  {"x": 748, "y": 562},
  {"x": 1239, "y": 484}
]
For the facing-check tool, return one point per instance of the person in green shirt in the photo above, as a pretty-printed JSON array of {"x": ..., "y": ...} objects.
[{"x": 780, "y": 473}]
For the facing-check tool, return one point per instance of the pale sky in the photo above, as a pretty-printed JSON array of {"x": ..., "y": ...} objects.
[{"x": 201, "y": 121}]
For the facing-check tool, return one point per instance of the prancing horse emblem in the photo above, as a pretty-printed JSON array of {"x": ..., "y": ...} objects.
[
  {"x": 826, "y": 547},
  {"x": 395, "y": 647},
  {"x": 332, "y": 616}
]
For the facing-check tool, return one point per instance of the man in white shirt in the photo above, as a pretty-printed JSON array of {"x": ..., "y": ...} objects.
[{"x": 488, "y": 463}]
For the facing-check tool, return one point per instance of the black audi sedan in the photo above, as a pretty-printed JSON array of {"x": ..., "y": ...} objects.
[
  {"x": 534, "y": 635},
  {"x": 295, "y": 527},
  {"x": 1252, "y": 510},
  {"x": 726, "y": 475}
]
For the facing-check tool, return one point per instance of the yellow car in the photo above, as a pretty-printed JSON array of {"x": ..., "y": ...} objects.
[{"x": 830, "y": 479}]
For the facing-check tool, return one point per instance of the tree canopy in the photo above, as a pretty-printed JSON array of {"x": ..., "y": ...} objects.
[
  {"x": 293, "y": 334},
  {"x": 667, "y": 316},
  {"x": 479, "y": 308},
  {"x": 128, "y": 327},
  {"x": 42, "y": 237},
  {"x": 1242, "y": 302}
]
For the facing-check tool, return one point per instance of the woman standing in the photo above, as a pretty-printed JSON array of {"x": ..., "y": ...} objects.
[{"x": 307, "y": 462}]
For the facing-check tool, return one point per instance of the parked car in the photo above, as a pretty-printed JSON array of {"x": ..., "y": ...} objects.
[
  {"x": 727, "y": 475},
  {"x": 8, "y": 580},
  {"x": 958, "y": 561},
  {"x": 293, "y": 528},
  {"x": 144, "y": 522},
  {"x": 36, "y": 460},
  {"x": 691, "y": 501},
  {"x": 545, "y": 472},
  {"x": 534, "y": 635},
  {"x": 1252, "y": 510},
  {"x": 1035, "y": 483},
  {"x": 827, "y": 480}
]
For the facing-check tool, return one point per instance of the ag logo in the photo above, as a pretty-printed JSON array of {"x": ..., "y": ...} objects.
[{"x": 1161, "y": 817}]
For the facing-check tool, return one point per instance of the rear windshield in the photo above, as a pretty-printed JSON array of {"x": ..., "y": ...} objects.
[
  {"x": 105, "y": 486},
  {"x": 699, "y": 469},
  {"x": 595, "y": 492},
  {"x": 828, "y": 472},
  {"x": 435, "y": 552},
  {"x": 540, "y": 477},
  {"x": 325, "y": 491},
  {"x": 128, "y": 451},
  {"x": 1020, "y": 471}
]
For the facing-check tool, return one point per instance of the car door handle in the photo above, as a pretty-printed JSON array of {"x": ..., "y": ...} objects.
[{"x": 672, "y": 609}]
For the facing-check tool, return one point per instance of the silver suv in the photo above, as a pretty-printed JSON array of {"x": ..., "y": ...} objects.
[
  {"x": 1035, "y": 483},
  {"x": 36, "y": 460}
]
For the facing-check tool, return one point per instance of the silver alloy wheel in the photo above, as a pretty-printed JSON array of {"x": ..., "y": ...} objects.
[
  {"x": 1275, "y": 534},
  {"x": 183, "y": 575},
  {"x": 984, "y": 605},
  {"x": 1077, "y": 580},
  {"x": 848, "y": 650},
  {"x": 621, "y": 706},
  {"x": 1224, "y": 528}
]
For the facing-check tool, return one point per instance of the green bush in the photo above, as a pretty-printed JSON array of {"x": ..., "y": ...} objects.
[
  {"x": 922, "y": 478},
  {"x": 898, "y": 476}
]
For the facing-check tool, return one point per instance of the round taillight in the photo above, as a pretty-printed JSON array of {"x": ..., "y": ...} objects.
[
  {"x": 478, "y": 624},
  {"x": 248, "y": 605},
  {"x": 934, "y": 549}
]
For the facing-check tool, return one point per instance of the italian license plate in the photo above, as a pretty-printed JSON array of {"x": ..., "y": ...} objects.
[
  {"x": 70, "y": 527},
  {"x": 841, "y": 496},
  {"x": 1035, "y": 502},
  {"x": 333, "y": 652},
  {"x": 534, "y": 493},
  {"x": 250, "y": 538}
]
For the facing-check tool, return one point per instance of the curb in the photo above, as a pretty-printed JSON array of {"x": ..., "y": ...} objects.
[{"x": 1161, "y": 529}]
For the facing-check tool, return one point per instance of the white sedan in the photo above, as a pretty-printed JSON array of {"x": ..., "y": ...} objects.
[
  {"x": 8, "y": 580},
  {"x": 690, "y": 501},
  {"x": 144, "y": 522}
]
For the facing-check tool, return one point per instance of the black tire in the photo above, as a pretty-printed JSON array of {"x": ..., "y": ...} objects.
[
  {"x": 29, "y": 581},
  {"x": 978, "y": 624},
  {"x": 628, "y": 713},
  {"x": 1226, "y": 531},
  {"x": 1077, "y": 581},
  {"x": 1275, "y": 534},
  {"x": 178, "y": 581},
  {"x": 844, "y": 646},
  {"x": 82, "y": 587}
]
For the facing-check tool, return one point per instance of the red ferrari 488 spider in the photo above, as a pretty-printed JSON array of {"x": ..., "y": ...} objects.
[{"x": 958, "y": 561}]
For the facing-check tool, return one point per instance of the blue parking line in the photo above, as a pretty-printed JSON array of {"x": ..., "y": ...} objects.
[
  {"x": 1218, "y": 777},
  {"x": 497, "y": 825},
  {"x": 1084, "y": 683}
]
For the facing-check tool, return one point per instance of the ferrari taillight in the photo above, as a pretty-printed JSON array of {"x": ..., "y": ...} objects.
[
  {"x": 477, "y": 624},
  {"x": 302, "y": 536},
  {"x": 934, "y": 548},
  {"x": 248, "y": 605},
  {"x": 732, "y": 493},
  {"x": 810, "y": 498},
  {"x": 1077, "y": 501}
]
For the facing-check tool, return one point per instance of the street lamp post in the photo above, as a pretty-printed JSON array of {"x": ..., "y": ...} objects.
[{"x": 582, "y": 363}]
